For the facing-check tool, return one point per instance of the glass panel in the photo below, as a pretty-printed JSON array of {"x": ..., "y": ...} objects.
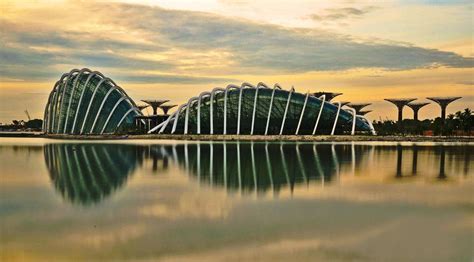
[
  {"x": 110, "y": 102},
  {"x": 96, "y": 103},
  {"x": 75, "y": 100},
  {"x": 82, "y": 107},
  {"x": 119, "y": 112}
]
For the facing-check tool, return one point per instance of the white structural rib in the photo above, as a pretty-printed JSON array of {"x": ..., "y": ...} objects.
[
  {"x": 319, "y": 114},
  {"x": 125, "y": 116},
  {"x": 159, "y": 126},
  {"x": 176, "y": 118},
  {"x": 337, "y": 117},
  {"x": 199, "y": 110},
  {"x": 225, "y": 105},
  {"x": 54, "y": 105},
  {"x": 53, "y": 108},
  {"x": 82, "y": 95},
  {"x": 168, "y": 120},
  {"x": 101, "y": 106},
  {"x": 200, "y": 101},
  {"x": 354, "y": 118},
  {"x": 190, "y": 103},
  {"x": 57, "y": 106},
  {"x": 302, "y": 113},
  {"x": 56, "y": 100},
  {"x": 74, "y": 86},
  {"x": 65, "y": 87},
  {"x": 211, "y": 106},
  {"x": 47, "y": 109},
  {"x": 162, "y": 125},
  {"x": 239, "y": 114},
  {"x": 255, "y": 105},
  {"x": 286, "y": 110},
  {"x": 112, "y": 112},
  {"x": 270, "y": 107},
  {"x": 372, "y": 130},
  {"x": 90, "y": 103},
  {"x": 239, "y": 110}
]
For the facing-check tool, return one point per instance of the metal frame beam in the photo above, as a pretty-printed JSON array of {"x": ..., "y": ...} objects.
[
  {"x": 337, "y": 117},
  {"x": 302, "y": 113},
  {"x": 323, "y": 101},
  {"x": 286, "y": 110}
]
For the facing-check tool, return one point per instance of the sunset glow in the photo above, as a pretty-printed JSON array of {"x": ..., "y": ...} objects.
[{"x": 368, "y": 50}]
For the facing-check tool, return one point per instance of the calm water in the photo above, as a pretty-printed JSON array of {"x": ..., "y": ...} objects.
[{"x": 175, "y": 201}]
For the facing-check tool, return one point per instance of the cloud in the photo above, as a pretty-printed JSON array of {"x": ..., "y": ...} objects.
[
  {"x": 173, "y": 79},
  {"x": 468, "y": 83},
  {"x": 151, "y": 44},
  {"x": 235, "y": 2},
  {"x": 332, "y": 14},
  {"x": 437, "y": 2}
]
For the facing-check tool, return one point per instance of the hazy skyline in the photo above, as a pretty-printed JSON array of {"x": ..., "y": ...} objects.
[{"x": 368, "y": 50}]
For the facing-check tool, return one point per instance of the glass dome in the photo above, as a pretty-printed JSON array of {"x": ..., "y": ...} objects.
[
  {"x": 259, "y": 110},
  {"x": 87, "y": 102}
]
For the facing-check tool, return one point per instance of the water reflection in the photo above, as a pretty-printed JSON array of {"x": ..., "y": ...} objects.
[
  {"x": 253, "y": 167},
  {"x": 87, "y": 173}
]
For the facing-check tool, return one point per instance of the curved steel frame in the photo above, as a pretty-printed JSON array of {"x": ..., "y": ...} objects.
[
  {"x": 239, "y": 115},
  {"x": 111, "y": 113},
  {"x": 199, "y": 110},
  {"x": 302, "y": 113},
  {"x": 55, "y": 105},
  {"x": 90, "y": 103},
  {"x": 65, "y": 86},
  {"x": 82, "y": 95},
  {"x": 211, "y": 106},
  {"x": 74, "y": 85},
  {"x": 225, "y": 105},
  {"x": 337, "y": 117},
  {"x": 286, "y": 110},
  {"x": 319, "y": 114},
  {"x": 270, "y": 107},
  {"x": 255, "y": 104},
  {"x": 199, "y": 99},
  {"x": 101, "y": 106}
]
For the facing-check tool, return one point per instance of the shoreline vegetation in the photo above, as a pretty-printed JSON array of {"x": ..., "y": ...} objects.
[{"x": 290, "y": 138}]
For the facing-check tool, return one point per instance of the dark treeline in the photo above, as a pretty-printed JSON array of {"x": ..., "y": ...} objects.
[
  {"x": 21, "y": 125},
  {"x": 459, "y": 123}
]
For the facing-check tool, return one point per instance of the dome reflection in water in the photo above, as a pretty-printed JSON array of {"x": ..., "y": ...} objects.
[
  {"x": 88, "y": 173},
  {"x": 260, "y": 166}
]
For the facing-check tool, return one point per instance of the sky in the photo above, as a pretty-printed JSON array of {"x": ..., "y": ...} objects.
[{"x": 176, "y": 49}]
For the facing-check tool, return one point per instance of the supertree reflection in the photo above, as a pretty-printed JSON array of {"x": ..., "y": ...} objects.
[{"x": 87, "y": 173}]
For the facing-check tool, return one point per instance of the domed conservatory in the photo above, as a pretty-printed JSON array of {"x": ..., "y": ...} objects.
[
  {"x": 86, "y": 102},
  {"x": 261, "y": 110}
]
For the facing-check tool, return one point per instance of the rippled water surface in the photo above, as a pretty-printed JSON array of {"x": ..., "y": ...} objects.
[{"x": 151, "y": 200}]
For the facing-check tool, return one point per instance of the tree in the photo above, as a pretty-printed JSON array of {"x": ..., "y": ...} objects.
[
  {"x": 459, "y": 121},
  {"x": 34, "y": 123}
]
